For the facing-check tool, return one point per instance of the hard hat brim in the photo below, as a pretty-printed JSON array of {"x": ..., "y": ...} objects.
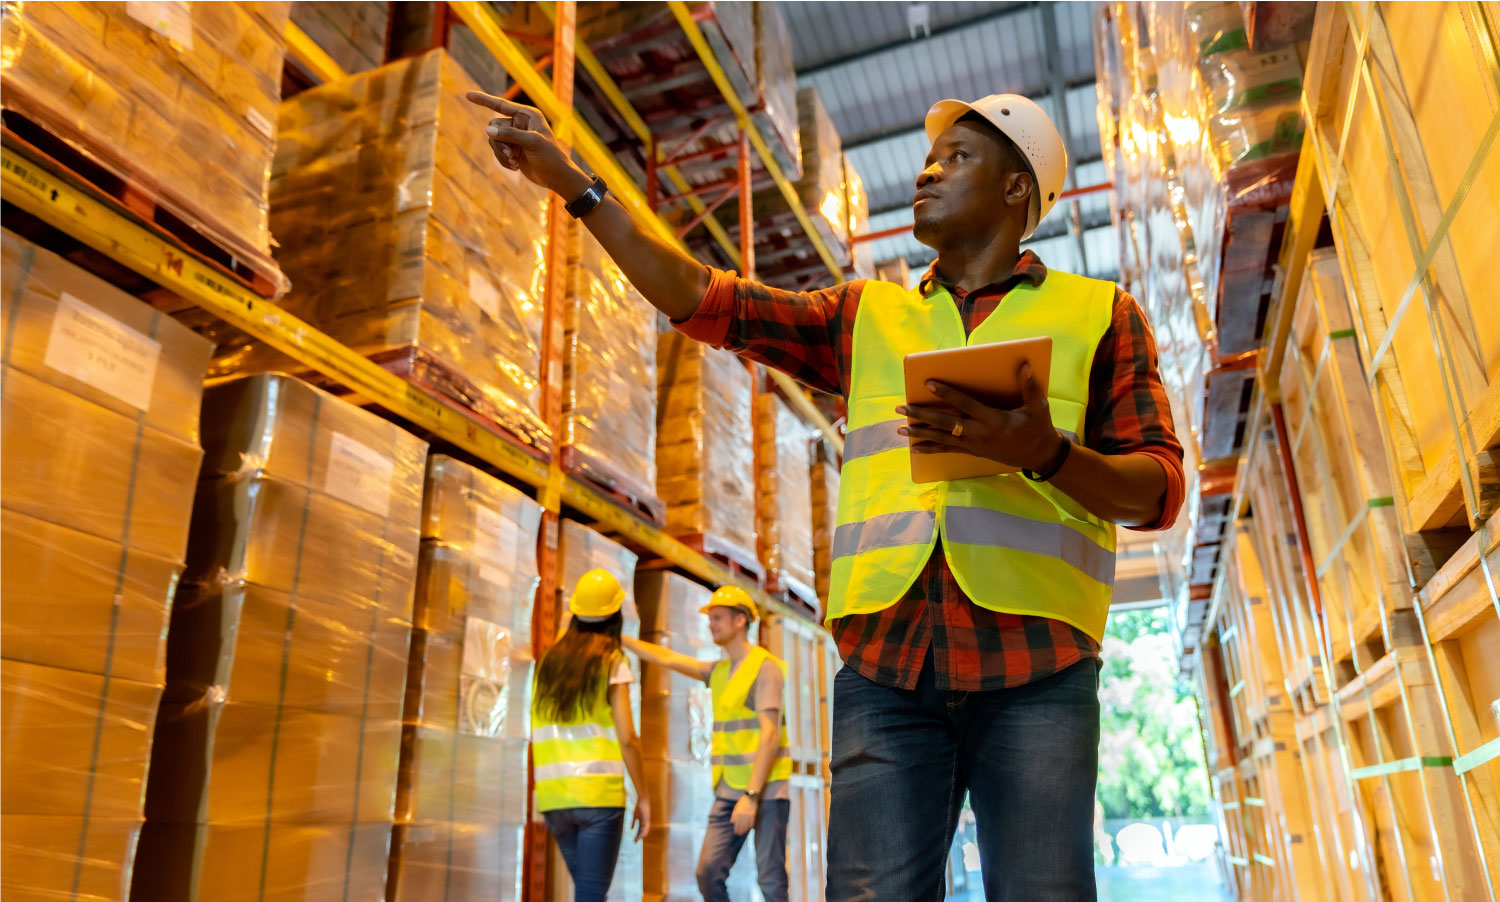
[{"x": 732, "y": 607}]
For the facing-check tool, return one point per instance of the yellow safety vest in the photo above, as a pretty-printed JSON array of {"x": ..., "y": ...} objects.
[
  {"x": 1014, "y": 545},
  {"x": 577, "y": 764},
  {"x": 737, "y": 728}
]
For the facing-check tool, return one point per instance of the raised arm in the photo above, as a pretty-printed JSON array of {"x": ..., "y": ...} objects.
[{"x": 665, "y": 657}]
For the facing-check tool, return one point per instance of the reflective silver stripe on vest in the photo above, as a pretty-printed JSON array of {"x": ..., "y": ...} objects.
[
  {"x": 732, "y": 726},
  {"x": 873, "y": 439},
  {"x": 983, "y": 526},
  {"x": 573, "y": 732},
  {"x": 883, "y": 531},
  {"x": 733, "y": 760},
  {"x": 580, "y": 769}
]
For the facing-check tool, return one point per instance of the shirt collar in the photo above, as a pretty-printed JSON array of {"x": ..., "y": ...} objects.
[{"x": 1029, "y": 268}]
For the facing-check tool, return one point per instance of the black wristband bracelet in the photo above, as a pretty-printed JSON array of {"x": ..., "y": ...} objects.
[
  {"x": 1065, "y": 448},
  {"x": 580, "y": 206}
]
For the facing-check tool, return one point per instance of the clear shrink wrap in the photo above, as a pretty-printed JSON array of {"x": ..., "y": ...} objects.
[
  {"x": 857, "y": 209},
  {"x": 462, "y": 785},
  {"x": 287, "y": 662},
  {"x": 783, "y": 477},
  {"x": 100, "y": 452},
  {"x": 821, "y": 188},
  {"x": 352, "y": 33},
  {"x": 825, "y": 503},
  {"x": 705, "y": 445},
  {"x": 407, "y": 243},
  {"x": 776, "y": 72},
  {"x": 609, "y": 373},
  {"x": 177, "y": 99}
]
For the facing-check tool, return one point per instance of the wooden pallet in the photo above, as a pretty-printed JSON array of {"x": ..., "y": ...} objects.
[
  {"x": 623, "y": 491},
  {"x": 1461, "y": 617},
  {"x": 151, "y": 207},
  {"x": 1339, "y": 834},
  {"x": 739, "y": 561},
  {"x": 1393, "y": 171}
]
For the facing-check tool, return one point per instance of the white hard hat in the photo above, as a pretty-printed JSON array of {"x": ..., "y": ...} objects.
[{"x": 1028, "y": 125}]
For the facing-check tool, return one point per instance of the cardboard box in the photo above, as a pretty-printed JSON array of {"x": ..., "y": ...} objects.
[
  {"x": 44, "y": 858},
  {"x": 453, "y": 585},
  {"x": 75, "y": 744},
  {"x": 681, "y": 792},
  {"x": 456, "y": 862},
  {"x": 580, "y": 550},
  {"x": 475, "y": 682},
  {"x": 458, "y": 778},
  {"x": 262, "y": 862},
  {"x": 671, "y": 861},
  {"x": 229, "y": 763},
  {"x": 254, "y": 645},
  {"x": 670, "y": 603},
  {"x": 79, "y": 602},
  {"x": 784, "y": 487},
  {"x": 679, "y": 727}
]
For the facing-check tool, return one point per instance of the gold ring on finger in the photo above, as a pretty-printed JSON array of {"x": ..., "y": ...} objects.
[{"x": 958, "y": 429}]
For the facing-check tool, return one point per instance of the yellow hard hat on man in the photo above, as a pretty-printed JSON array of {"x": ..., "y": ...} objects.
[
  {"x": 732, "y": 597},
  {"x": 598, "y": 596}
]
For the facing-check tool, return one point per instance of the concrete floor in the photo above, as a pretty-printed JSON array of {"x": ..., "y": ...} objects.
[{"x": 1198, "y": 882}]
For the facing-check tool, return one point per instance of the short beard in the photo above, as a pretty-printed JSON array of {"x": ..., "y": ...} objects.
[{"x": 926, "y": 230}]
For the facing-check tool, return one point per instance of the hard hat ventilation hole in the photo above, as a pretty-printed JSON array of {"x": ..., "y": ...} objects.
[
  {"x": 1051, "y": 194},
  {"x": 1004, "y": 112}
]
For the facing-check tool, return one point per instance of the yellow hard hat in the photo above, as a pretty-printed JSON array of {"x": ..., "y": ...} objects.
[
  {"x": 597, "y": 596},
  {"x": 732, "y": 597}
]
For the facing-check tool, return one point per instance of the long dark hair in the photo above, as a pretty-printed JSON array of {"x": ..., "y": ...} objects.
[{"x": 573, "y": 674}]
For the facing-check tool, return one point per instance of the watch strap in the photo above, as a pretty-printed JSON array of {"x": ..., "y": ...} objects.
[
  {"x": 1064, "y": 448},
  {"x": 588, "y": 200}
]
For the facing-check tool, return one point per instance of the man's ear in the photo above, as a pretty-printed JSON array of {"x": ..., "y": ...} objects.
[{"x": 1018, "y": 188}]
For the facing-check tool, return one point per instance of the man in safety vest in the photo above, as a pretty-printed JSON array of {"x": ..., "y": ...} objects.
[
  {"x": 969, "y": 613},
  {"x": 750, "y": 763}
]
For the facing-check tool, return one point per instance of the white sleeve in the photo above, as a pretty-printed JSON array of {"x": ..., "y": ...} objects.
[{"x": 621, "y": 672}]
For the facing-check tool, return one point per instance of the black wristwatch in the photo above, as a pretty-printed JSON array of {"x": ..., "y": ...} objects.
[
  {"x": 588, "y": 200},
  {"x": 1065, "y": 448},
  {"x": 753, "y": 796}
]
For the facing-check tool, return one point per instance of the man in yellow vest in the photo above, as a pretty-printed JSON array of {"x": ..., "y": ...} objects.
[
  {"x": 750, "y": 763},
  {"x": 969, "y": 613}
]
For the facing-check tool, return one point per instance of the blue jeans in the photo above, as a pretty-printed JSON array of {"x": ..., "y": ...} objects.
[
  {"x": 902, "y": 760},
  {"x": 721, "y": 847},
  {"x": 589, "y": 840}
]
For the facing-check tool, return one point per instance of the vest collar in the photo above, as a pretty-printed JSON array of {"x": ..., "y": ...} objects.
[{"x": 1029, "y": 269}]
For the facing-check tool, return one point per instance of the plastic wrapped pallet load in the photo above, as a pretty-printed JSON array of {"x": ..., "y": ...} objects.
[
  {"x": 407, "y": 243},
  {"x": 275, "y": 753},
  {"x": 179, "y": 99},
  {"x": 609, "y": 375},
  {"x": 784, "y": 486},
  {"x": 100, "y": 453},
  {"x": 352, "y": 33},
  {"x": 825, "y": 503},
  {"x": 775, "y": 70},
  {"x": 461, "y": 795},
  {"x": 676, "y": 729},
  {"x": 704, "y": 445}
]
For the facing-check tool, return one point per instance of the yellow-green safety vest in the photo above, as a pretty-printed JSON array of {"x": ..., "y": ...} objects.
[
  {"x": 577, "y": 764},
  {"x": 737, "y": 728},
  {"x": 1014, "y": 545}
]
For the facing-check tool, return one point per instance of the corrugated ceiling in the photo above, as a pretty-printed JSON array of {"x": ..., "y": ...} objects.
[{"x": 877, "y": 84}]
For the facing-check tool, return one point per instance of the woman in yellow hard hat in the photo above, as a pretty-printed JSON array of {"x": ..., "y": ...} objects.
[{"x": 583, "y": 738}]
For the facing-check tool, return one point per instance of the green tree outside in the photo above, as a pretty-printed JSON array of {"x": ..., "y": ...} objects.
[{"x": 1150, "y": 751}]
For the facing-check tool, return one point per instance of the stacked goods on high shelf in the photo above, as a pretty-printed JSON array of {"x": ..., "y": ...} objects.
[
  {"x": 896, "y": 271},
  {"x": 101, "y": 456},
  {"x": 705, "y": 444},
  {"x": 778, "y": 118},
  {"x": 580, "y": 550},
  {"x": 352, "y": 34},
  {"x": 405, "y": 242},
  {"x": 825, "y": 503},
  {"x": 783, "y": 480},
  {"x": 275, "y": 756},
  {"x": 178, "y": 100},
  {"x": 799, "y": 644},
  {"x": 461, "y": 798},
  {"x": 676, "y": 732},
  {"x": 857, "y": 210},
  {"x": 1415, "y": 179},
  {"x": 609, "y": 376}
]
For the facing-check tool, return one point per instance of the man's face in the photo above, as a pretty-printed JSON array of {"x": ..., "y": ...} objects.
[
  {"x": 963, "y": 191},
  {"x": 724, "y": 624}
]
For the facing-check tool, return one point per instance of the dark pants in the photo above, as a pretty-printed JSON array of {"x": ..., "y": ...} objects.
[
  {"x": 721, "y": 847},
  {"x": 902, "y": 760},
  {"x": 589, "y": 840}
]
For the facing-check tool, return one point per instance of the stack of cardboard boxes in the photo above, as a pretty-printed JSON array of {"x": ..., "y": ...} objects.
[
  {"x": 783, "y": 478},
  {"x": 352, "y": 33},
  {"x": 179, "y": 98},
  {"x": 405, "y": 241},
  {"x": 100, "y": 454},
  {"x": 705, "y": 445},
  {"x": 609, "y": 374},
  {"x": 677, "y": 733},
  {"x": 274, "y": 762},
  {"x": 461, "y": 799},
  {"x": 825, "y": 508}
]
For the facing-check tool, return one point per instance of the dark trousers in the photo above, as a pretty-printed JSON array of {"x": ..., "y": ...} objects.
[
  {"x": 902, "y": 761},
  {"x": 589, "y": 840},
  {"x": 721, "y": 847}
]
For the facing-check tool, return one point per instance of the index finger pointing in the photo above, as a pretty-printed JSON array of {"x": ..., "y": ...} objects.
[{"x": 498, "y": 104}]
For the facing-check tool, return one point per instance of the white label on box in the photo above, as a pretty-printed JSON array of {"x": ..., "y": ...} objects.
[
  {"x": 484, "y": 293},
  {"x": 95, "y": 348},
  {"x": 261, "y": 122},
  {"x": 496, "y": 535},
  {"x": 172, "y": 19},
  {"x": 495, "y": 576},
  {"x": 359, "y": 475}
]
